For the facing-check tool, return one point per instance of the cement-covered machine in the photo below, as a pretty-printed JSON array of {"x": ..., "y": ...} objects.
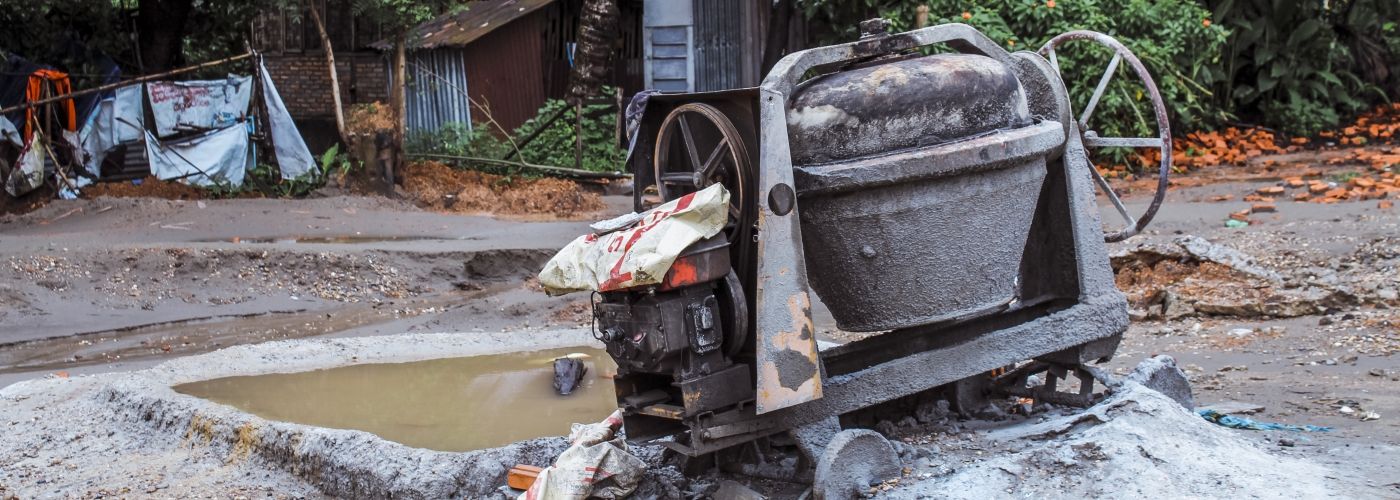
[{"x": 942, "y": 197}]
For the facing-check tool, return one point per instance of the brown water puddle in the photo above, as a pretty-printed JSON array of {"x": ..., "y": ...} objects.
[{"x": 453, "y": 404}]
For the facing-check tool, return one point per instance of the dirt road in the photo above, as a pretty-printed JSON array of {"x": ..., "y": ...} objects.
[
  {"x": 115, "y": 284},
  {"x": 1307, "y": 331}
]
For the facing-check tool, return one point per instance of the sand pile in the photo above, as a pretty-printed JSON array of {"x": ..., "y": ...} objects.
[{"x": 440, "y": 187}]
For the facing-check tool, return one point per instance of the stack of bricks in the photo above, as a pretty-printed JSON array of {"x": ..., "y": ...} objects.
[{"x": 305, "y": 85}]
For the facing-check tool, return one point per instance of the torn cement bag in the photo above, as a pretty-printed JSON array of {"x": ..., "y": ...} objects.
[
  {"x": 596, "y": 465},
  {"x": 641, "y": 255}
]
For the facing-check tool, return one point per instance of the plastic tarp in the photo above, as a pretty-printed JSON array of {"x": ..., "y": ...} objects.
[
  {"x": 215, "y": 158},
  {"x": 293, "y": 158},
  {"x": 640, "y": 255},
  {"x": 28, "y": 172},
  {"x": 596, "y": 465},
  {"x": 9, "y": 133},
  {"x": 199, "y": 105},
  {"x": 118, "y": 119}
]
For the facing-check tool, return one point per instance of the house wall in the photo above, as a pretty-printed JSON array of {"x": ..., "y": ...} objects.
[
  {"x": 305, "y": 84},
  {"x": 505, "y": 71}
]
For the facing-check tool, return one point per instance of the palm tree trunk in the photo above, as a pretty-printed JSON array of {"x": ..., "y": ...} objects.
[{"x": 596, "y": 31}]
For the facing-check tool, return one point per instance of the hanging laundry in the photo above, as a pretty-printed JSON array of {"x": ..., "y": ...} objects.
[
  {"x": 215, "y": 158},
  {"x": 293, "y": 158},
  {"x": 201, "y": 105}
]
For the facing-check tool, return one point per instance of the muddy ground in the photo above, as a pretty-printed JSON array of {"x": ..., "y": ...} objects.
[{"x": 1306, "y": 329}]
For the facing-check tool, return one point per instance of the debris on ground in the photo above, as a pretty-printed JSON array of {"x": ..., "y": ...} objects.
[
  {"x": 596, "y": 465},
  {"x": 1192, "y": 276},
  {"x": 436, "y": 186},
  {"x": 1161, "y": 374},
  {"x": 1234, "y": 422},
  {"x": 1138, "y": 439},
  {"x": 568, "y": 372},
  {"x": 149, "y": 187}
]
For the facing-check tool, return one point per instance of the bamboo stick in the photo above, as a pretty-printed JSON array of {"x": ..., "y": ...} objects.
[{"x": 111, "y": 86}]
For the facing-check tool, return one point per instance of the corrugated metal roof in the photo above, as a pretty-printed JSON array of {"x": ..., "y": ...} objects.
[{"x": 462, "y": 28}]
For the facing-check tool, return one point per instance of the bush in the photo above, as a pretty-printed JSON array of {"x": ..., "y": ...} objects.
[
  {"x": 1171, "y": 37},
  {"x": 553, "y": 147},
  {"x": 1295, "y": 67}
]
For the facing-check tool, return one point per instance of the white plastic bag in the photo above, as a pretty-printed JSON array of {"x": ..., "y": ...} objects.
[
  {"x": 642, "y": 254},
  {"x": 28, "y": 172}
]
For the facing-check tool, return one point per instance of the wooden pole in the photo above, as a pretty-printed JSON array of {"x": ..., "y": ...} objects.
[
  {"x": 335, "y": 78},
  {"x": 110, "y": 86},
  {"x": 578, "y": 135}
]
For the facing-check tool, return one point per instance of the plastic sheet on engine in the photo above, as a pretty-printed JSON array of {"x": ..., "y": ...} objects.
[{"x": 639, "y": 255}]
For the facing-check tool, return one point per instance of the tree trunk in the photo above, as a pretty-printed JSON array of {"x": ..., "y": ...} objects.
[
  {"x": 400, "y": 104},
  {"x": 775, "y": 47},
  {"x": 335, "y": 79},
  {"x": 596, "y": 31},
  {"x": 161, "y": 26}
]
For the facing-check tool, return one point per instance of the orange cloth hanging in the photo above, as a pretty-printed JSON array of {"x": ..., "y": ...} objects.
[{"x": 61, "y": 86}]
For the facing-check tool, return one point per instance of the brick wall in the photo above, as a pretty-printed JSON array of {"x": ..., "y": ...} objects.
[{"x": 305, "y": 85}]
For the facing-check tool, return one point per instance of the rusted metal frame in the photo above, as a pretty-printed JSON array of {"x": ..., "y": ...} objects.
[
  {"x": 1121, "y": 52},
  {"x": 1100, "y": 314},
  {"x": 788, "y": 366},
  {"x": 1100, "y": 318}
]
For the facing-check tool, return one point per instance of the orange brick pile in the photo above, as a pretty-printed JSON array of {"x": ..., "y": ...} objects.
[
  {"x": 1232, "y": 146},
  {"x": 1379, "y": 125},
  {"x": 1379, "y": 186}
]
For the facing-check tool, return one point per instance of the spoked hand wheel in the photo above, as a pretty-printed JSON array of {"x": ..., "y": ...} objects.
[
  {"x": 710, "y": 152},
  {"x": 1091, "y": 139}
]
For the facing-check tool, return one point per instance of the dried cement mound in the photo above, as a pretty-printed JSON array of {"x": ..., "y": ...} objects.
[
  {"x": 440, "y": 187},
  {"x": 1137, "y": 443},
  {"x": 130, "y": 433}
]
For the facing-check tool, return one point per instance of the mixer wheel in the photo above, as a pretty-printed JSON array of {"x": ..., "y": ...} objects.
[
  {"x": 1162, "y": 142},
  {"x": 854, "y": 460}
]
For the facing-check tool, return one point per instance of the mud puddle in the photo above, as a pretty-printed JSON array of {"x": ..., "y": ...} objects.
[
  {"x": 197, "y": 336},
  {"x": 453, "y": 404},
  {"x": 331, "y": 240}
]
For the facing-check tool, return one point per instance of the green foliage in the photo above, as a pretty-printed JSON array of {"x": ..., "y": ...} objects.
[
  {"x": 1289, "y": 64},
  {"x": 456, "y": 139},
  {"x": 1168, "y": 35},
  {"x": 554, "y": 146}
]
